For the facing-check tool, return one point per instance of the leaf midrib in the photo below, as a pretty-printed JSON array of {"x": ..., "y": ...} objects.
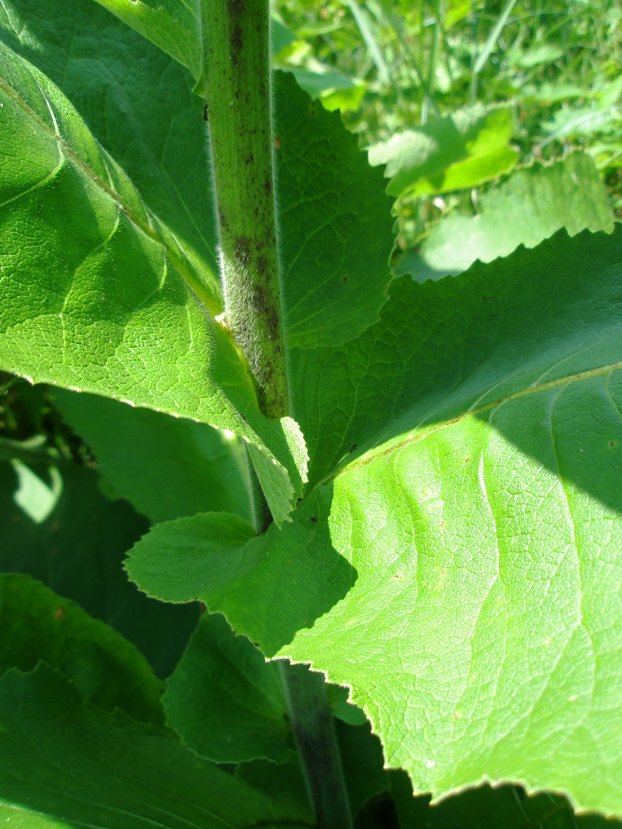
[{"x": 388, "y": 447}]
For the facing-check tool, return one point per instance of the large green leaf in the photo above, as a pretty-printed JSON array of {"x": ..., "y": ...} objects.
[
  {"x": 173, "y": 26},
  {"x": 331, "y": 291},
  {"x": 474, "y": 550},
  {"x": 70, "y": 314},
  {"x": 540, "y": 199},
  {"x": 453, "y": 153},
  {"x": 65, "y": 763},
  {"x": 137, "y": 103},
  {"x": 107, "y": 670},
  {"x": 77, "y": 551},
  {"x": 448, "y": 342}
]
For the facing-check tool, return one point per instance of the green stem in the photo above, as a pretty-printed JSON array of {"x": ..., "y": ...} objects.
[
  {"x": 312, "y": 720},
  {"x": 261, "y": 517},
  {"x": 237, "y": 47}
]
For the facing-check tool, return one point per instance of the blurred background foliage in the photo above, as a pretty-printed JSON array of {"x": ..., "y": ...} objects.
[{"x": 468, "y": 92}]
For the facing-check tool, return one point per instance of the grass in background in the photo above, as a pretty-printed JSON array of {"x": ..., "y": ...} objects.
[{"x": 396, "y": 65}]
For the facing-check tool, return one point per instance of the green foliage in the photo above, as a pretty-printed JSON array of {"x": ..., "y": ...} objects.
[
  {"x": 418, "y": 64},
  {"x": 77, "y": 550},
  {"x": 195, "y": 468},
  {"x": 445, "y": 530},
  {"x": 461, "y": 151},
  {"x": 441, "y": 539},
  {"x": 105, "y": 668},
  {"x": 60, "y": 761},
  {"x": 224, "y": 700},
  {"x": 541, "y": 199}
]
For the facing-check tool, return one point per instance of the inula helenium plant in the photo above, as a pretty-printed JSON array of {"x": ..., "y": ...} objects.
[{"x": 336, "y": 540}]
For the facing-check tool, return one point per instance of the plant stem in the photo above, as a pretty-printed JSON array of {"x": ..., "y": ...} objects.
[
  {"x": 237, "y": 47},
  {"x": 312, "y": 720}
]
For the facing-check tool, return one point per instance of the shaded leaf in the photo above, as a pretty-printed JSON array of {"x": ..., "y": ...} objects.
[
  {"x": 224, "y": 700},
  {"x": 77, "y": 551},
  {"x": 487, "y": 808},
  {"x": 362, "y": 762},
  {"x": 166, "y": 467},
  {"x": 105, "y": 668},
  {"x": 283, "y": 782},
  {"x": 172, "y": 26},
  {"x": 49, "y": 768}
]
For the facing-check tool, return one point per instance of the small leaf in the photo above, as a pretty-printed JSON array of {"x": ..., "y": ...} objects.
[
  {"x": 224, "y": 700},
  {"x": 293, "y": 576},
  {"x": 462, "y": 150}
]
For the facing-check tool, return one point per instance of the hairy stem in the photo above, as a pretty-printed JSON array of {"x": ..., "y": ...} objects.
[
  {"x": 238, "y": 110},
  {"x": 307, "y": 702},
  {"x": 237, "y": 34}
]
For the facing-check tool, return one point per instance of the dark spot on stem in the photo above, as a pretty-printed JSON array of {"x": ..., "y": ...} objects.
[
  {"x": 277, "y": 142},
  {"x": 236, "y": 43},
  {"x": 314, "y": 519},
  {"x": 235, "y": 9},
  {"x": 259, "y": 299},
  {"x": 205, "y": 112},
  {"x": 249, "y": 159},
  {"x": 273, "y": 323},
  {"x": 345, "y": 279}
]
